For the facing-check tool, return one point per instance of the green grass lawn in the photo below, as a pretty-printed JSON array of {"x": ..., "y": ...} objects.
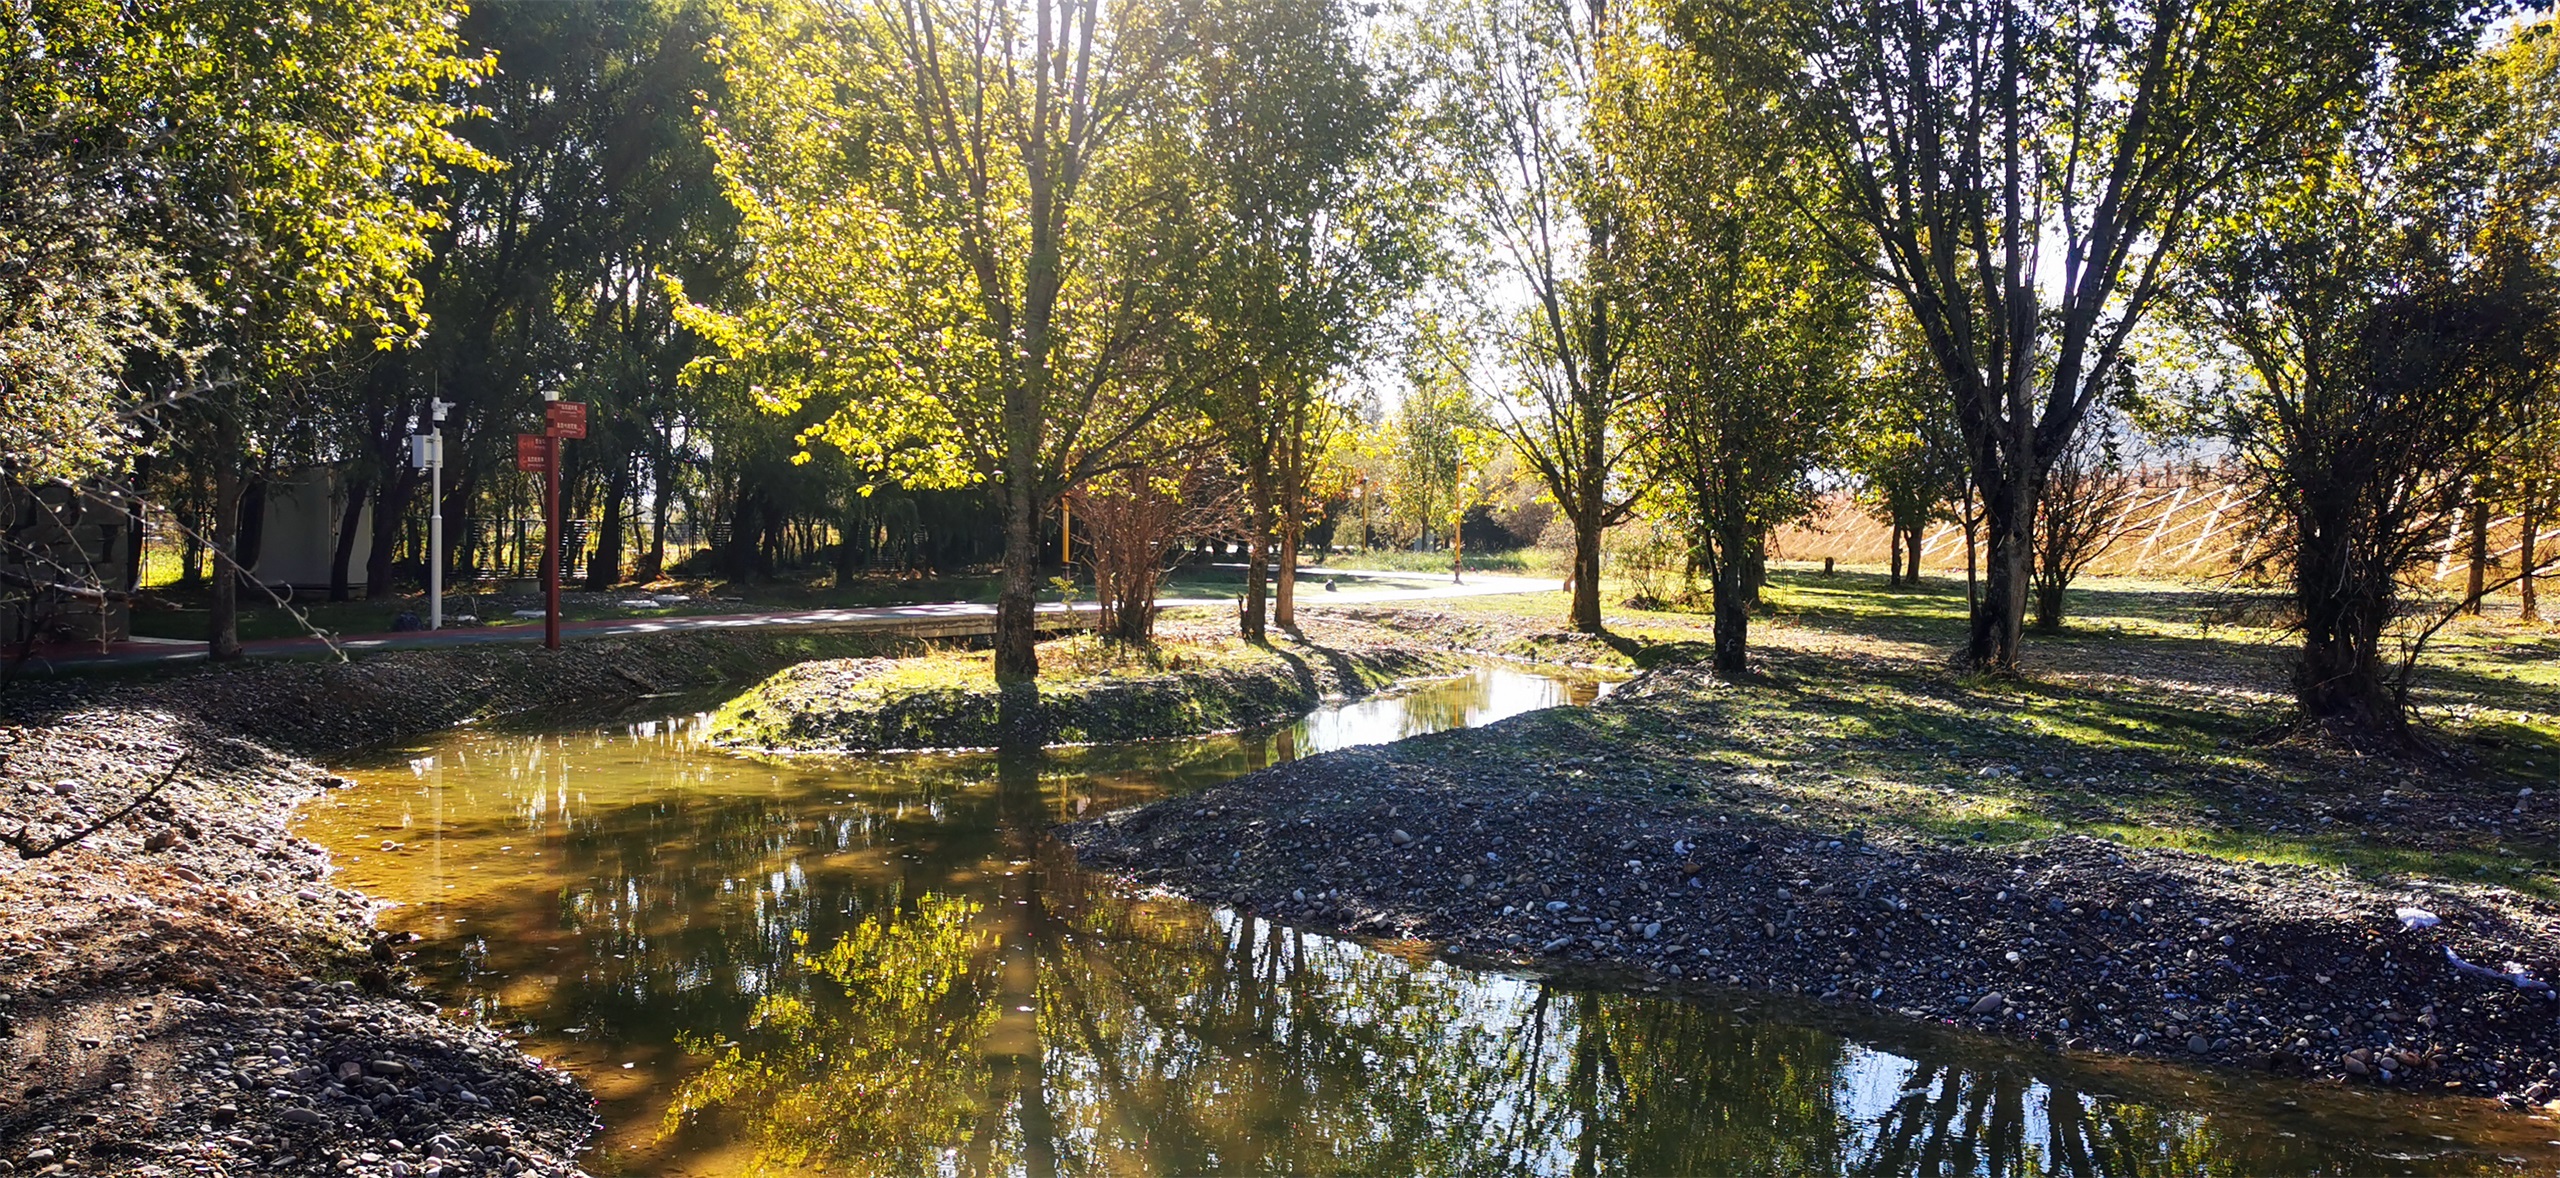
[
  {"x": 1527, "y": 562},
  {"x": 2145, "y": 721}
]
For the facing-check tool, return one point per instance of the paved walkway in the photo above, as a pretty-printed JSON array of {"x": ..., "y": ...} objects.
[{"x": 938, "y": 620}]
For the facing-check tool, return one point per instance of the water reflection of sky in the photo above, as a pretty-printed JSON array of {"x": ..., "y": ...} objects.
[
  {"x": 1499, "y": 693},
  {"x": 880, "y": 966}
]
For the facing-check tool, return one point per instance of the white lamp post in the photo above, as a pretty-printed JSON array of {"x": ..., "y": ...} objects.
[{"x": 426, "y": 451}]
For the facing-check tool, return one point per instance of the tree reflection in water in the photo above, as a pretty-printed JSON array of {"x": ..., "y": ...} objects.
[{"x": 883, "y": 967}]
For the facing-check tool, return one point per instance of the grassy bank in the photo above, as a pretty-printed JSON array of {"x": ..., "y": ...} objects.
[
  {"x": 1195, "y": 679},
  {"x": 2124, "y": 849},
  {"x": 2145, "y": 720}
]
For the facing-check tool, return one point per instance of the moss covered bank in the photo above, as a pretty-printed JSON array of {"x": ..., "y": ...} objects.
[{"x": 1192, "y": 682}]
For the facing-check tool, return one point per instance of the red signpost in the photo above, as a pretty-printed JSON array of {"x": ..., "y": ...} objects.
[
  {"x": 540, "y": 454},
  {"x": 565, "y": 419}
]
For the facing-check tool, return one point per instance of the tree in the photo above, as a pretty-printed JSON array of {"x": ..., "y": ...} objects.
[
  {"x": 1753, "y": 323},
  {"x": 2522, "y": 74},
  {"x": 1428, "y": 442},
  {"x": 2025, "y": 170},
  {"x": 544, "y": 276},
  {"x": 78, "y": 296},
  {"x": 2389, "y": 328},
  {"x": 261, "y": 167},
  {"x": 2087, "y": 496},
  {"x": 1135, "y": 520},
  {"x": 1904, "y": 447},
  {"x": 965, "y": 228},
  {"x": 1315, "y": 210},
  {"x": 1516, "y": 80}
]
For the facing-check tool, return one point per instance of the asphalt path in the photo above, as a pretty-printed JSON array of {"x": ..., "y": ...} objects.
[{"x": 951, "y": 618}]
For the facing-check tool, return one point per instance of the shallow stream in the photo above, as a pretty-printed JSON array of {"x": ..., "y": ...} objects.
[{"x": 880, "y": 965}]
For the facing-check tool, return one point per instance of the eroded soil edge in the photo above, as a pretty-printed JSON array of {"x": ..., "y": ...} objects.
[{"x": 184, "y": 992}]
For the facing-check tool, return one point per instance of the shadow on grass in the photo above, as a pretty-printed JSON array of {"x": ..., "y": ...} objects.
[{"x": 2135, "y": 725}]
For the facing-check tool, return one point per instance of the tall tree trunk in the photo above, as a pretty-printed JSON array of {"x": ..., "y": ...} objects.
[
  {"x": 1586, "y": 572},
  {"x": 848, "y": 549},
  {"x": 1257, "y": 558},
  {"x": 2528, "y": 609},
  {"x": 390, "y": 511},
  {"x": 1733, "y": 600},
  {"x": 1972, "y": 561},
  {"x": 223, "y": 640},
  {"x": 1292, "y": 504},
  {"x": 2479, "y": 580},
  {"x": 605, "y": 570},
  {"x": 462, "y": 555},
  {"x": 1017, "y": 600},
  {"x": 2344, "y": 609},
  {"x": 1999, "y": 620},
  {"x": 1284, "y": 597},
  {"x": 1755, "y": 568},
  {"x": 134, "y": 506},
  {"x": 654, "y": 565},
  {"x": 345, "y": 550},
  {"x": 1893, "y": 555},
  {"x": 746, "y": 523},
  {"x": 1911, "y": 567},
  {"x": 250, "y": 542}
]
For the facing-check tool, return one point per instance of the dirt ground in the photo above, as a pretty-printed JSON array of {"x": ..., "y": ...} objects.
[{"x": 184, "y": 991}]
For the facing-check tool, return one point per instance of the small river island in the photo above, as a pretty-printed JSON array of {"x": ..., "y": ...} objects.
[{"x": 1195, "y": 679}]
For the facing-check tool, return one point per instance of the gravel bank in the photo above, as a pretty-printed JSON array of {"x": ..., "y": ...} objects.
[
  {"x": 184, "y": 992},
  {"x": 1615, "y": 837}
]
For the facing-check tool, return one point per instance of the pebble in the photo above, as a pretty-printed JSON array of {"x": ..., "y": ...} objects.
[
  {"x": 1989, "y": 1003},
  {"x": 2199, "y": 1044}
]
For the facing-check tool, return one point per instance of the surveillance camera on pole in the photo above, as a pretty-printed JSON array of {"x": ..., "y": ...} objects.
[{"x": 426, "y": 452}]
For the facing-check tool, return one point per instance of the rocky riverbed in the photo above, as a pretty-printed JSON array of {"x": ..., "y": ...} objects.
[
  {"x": 1616, "y": 839},
  {"x": 183, "y": 992}
]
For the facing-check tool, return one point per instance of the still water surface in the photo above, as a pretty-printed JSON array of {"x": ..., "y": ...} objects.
[{"x": 881, "y": 966}]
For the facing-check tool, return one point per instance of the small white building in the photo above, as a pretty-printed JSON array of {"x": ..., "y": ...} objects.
[{"x": 298, "y": 539}]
